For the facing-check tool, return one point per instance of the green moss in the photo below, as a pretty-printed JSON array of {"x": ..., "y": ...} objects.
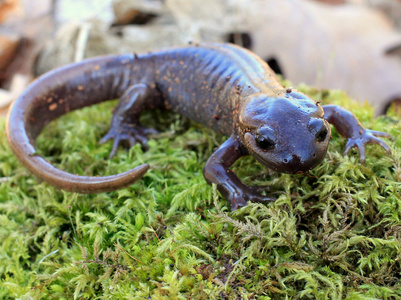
[{"x": 331, "y": 235}]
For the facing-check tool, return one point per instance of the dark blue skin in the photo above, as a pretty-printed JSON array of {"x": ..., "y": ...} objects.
[{"x": 222, "y": 86}]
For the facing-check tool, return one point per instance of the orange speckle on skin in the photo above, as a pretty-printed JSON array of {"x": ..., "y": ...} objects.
[{"x": 53, "y": 106}]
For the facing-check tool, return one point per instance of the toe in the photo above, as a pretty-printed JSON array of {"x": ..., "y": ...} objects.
[
  {"x": 381, "y": 134},
  {"x": 114, "y": 149},
  {"x": 143, "y": 140},
  {"x": 104, "y": 139},
  {"x": 381, "y": 144}
]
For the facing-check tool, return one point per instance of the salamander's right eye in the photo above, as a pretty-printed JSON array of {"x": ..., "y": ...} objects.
[{"x": 265, "y": 138}]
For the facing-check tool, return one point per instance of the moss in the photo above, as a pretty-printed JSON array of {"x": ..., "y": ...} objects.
[{"x": 331, "y": 235}]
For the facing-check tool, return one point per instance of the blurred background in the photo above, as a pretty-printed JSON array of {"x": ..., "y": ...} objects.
[{"x": 352, "y": 45}]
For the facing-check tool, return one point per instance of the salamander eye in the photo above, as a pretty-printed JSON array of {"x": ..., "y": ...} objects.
[
  {"x": 319, "y": 129},
  {"x": 265, "y": 138}
]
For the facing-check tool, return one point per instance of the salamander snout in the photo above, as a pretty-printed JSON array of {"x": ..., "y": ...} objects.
[{"x": 295, "y": 164}]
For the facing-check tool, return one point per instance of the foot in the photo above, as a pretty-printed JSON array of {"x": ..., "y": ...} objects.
[
  {"x": 132, "y": 133},
  {"x": 367, "y": 136},
  {"x": 248, "y": 193}
]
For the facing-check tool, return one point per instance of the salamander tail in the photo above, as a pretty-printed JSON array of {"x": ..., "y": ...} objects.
[{"x": 56, "y": 93}]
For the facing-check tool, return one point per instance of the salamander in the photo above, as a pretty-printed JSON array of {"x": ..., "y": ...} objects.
[{"x": 221, "y": 86}]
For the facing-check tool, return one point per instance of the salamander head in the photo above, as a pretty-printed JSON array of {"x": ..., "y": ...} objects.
[{"x": 287, "y": 134}]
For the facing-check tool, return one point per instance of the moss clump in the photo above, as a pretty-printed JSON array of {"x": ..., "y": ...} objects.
[{"x": 333, "y": 234}]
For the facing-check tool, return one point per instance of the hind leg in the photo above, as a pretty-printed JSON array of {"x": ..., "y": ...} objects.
[{"x": 125, "y": 124}]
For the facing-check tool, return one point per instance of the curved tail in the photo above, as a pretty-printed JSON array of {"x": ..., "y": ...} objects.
[{"x": 58, "y": 92}]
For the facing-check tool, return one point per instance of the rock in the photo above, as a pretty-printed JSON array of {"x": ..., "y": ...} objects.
[
  {"x": 8, "y": 47},
  {"x": 82, "y": 10},
  {"x": 392, "y": 8},
  {"x": 10, "y": 9},
  {"x": 137, "y": 11}
]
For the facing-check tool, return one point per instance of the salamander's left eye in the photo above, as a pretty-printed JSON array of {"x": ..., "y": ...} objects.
[
  {"x": 319, "y": 128},
  {"x": 265, "y": 138}
]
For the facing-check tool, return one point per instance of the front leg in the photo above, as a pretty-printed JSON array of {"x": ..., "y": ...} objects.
[
  {"x": 217, "y": 171},
  {"x": 348, "y": 126},
  {"x": 125, "y": 123}
]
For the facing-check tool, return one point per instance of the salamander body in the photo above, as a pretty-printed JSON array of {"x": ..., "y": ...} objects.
[{"x": 221, "y": 86}]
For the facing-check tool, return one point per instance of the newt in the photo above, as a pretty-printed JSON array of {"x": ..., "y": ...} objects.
[{"x": 224, "y": 87}]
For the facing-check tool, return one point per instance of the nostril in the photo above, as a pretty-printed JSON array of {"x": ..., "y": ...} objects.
[{"x": 294, "y": 159}]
